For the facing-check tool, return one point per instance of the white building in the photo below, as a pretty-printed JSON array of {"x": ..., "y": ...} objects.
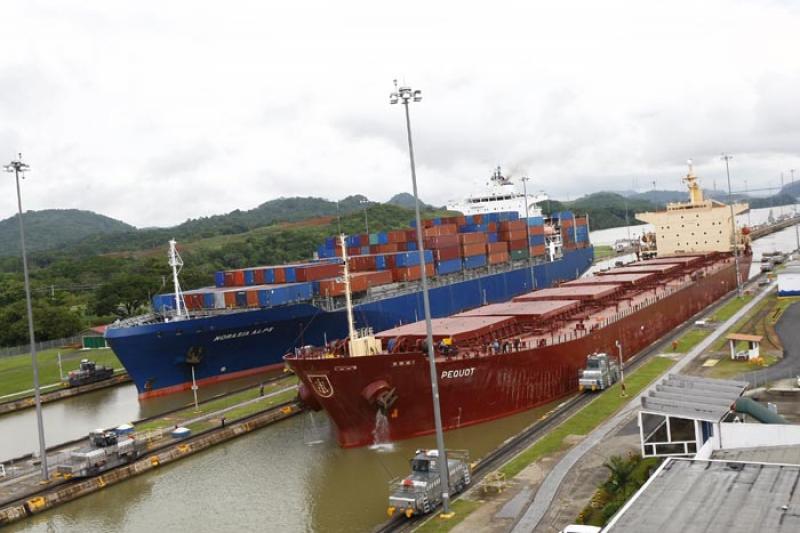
[{"x": 789, "y": 281}]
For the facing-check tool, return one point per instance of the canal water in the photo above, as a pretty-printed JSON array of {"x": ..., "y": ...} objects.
[{"x": 289, "y": 477}]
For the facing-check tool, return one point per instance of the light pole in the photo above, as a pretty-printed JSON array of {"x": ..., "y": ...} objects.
[
  {"x": 796, "y": 229},
  {"x": 747, "y": 193},
  {"x": 528, "y": 230},
  {"x": 405, "y": 95},
  {"x": 365, "y": 203},
  {"x": 727, "y": 157},
  {"x": 621, "y": 370},
  {"x": 16, "y": 167}
]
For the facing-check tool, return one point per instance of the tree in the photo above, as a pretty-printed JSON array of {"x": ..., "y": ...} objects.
[{"x": 125, "y": 294}]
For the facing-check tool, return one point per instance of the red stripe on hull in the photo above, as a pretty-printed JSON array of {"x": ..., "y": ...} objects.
[
  {"x": 172, "y": 389},
  {"x": 479, "y": 389}
]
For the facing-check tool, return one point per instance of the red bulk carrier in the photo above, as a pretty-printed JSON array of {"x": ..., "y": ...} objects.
[{"x": 500, "y": 359}]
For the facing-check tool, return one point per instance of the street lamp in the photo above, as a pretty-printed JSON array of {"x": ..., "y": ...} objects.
[
  {"x": 405, "y": 95},
  {"x": 621, "y": 370},
  {"x": 727, "y": 157},
  {"x": 365, "y": 203},
  {"x": 747, "y": 193},
  {"x": 18, "y": 167},
  {"x": 796, "y": 229},
  {"x": 528, "y": 229}
]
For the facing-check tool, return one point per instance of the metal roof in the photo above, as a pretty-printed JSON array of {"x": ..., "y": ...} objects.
[
  {"x": 744, "y": 337},
  {"x": 693, "y": 397},
  {"x": 693, "y": 496},
  {"x": 679, "y": 259},
  {"x": 580, "y": 292},
  {"x": 622, "y": 279},
  {"x": 541, "y": 309},
  {"x": 787, "y": 455}
]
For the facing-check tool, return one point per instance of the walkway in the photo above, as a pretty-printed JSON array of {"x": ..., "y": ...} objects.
[{"x": 547, "y": 491}]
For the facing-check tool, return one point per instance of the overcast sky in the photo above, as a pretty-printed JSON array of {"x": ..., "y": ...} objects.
[{"x": 155, "y": 112}]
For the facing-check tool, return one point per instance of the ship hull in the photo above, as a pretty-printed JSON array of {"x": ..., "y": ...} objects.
[
  {"x": 237, "y": 344},
  {"x": 478, "y": 389}
]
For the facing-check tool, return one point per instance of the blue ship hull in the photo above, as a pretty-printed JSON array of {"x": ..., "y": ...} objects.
[{"x": 236, "y": 344}]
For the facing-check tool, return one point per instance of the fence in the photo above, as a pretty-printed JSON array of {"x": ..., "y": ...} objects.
[{"x": 44, "y": 345}]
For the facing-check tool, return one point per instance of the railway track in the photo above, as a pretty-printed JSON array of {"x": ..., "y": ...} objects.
[{"x": 524, "y": 439}]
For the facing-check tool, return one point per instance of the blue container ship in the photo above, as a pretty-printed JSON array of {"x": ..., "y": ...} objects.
[{"x": 253, "y": 317}]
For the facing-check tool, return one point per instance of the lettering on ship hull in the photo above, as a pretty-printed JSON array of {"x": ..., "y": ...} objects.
[
  {"x": 460, "y": 373},
  {"x": 240, "y": 334}
]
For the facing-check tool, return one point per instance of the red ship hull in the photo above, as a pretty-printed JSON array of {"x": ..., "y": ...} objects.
[{"x": 475, "y": 389}]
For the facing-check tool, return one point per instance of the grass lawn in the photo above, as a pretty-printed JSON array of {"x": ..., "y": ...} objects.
[
  {"x": 730, "y": 308},
  {"x": 591, "y": 416},
  {"x": 16, "y": 372},
  {"x": 692, "y": 338},
  {"x": 462, "y": 507},
  {"x": 727, "y": 368},
  {"x": 603, "y": 252}
]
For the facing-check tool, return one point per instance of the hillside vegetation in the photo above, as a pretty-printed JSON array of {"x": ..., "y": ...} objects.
[{"x": 51, "y": 228}]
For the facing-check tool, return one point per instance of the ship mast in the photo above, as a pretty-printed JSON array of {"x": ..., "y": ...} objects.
[
  {"x": 175, "y": 262},
  {"x": 351, "y": 330}
]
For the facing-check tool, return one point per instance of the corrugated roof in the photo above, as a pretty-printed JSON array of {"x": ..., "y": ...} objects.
[
  {"x": 787, "y": 455},
  {"x": 635, "y": 269},
  {"x": 693, "y": 496},
  {"x": 693, "y": 397},
  {"x": 744, "y": 337},
  {"x": 580, "y": 292}
]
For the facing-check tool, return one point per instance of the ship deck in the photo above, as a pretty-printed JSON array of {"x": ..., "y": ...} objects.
[{"x": 567, "y": 313}]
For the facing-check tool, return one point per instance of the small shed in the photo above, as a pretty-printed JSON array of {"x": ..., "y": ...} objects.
[
  {"x": 94, "y": 338},
  {"x": 789, "y": 281},
  {"x": 753, "y": 344}
]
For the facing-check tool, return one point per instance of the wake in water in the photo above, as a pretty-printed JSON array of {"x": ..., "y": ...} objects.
[{"x": 380, "y": 435}]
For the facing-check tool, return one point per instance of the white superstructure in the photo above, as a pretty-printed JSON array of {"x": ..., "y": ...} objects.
[{"x": 500, "y": 194}]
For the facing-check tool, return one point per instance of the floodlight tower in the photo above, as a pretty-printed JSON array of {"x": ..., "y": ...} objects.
[
  {"x": 727, "y": 157},
  {"x": 18, "y": 167},
  {"x": 405, "y": 95}
]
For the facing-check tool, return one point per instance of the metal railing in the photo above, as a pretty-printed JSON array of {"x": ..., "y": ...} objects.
[{"x": 44, "y": 345}]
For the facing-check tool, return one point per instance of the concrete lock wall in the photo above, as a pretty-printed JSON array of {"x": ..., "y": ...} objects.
[{"x": 48, "y": 499}]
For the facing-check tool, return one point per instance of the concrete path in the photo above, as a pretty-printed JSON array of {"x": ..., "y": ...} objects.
[
  {"x": 547, "y": 491},
  {"x": 789, "y": 366}
]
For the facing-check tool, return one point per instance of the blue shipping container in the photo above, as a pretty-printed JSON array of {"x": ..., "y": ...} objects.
[
  {"x": 208, "y": 300},
  {"x": 291, "y": 276},
  {"x": 219, "y": 279},
  {"x": 380, "y": 262},
  {"x": 535, "y": 221},
  {"x": 492, "y": 237},
  {"x": 449, "y": 266},
  {"x": 475, "y": 261},
  {"x": 249, "y": 277}
]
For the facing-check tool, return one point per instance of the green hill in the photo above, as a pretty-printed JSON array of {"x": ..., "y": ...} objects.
[{"x": 52, "y": 228}]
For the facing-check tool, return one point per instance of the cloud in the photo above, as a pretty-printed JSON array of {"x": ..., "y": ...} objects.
[{"x": 154, "y": 113}]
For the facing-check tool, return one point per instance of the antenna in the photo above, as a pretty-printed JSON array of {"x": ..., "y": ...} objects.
[
  {"x": 351, "y": 330},
  {"x": 176, "y": 263}
]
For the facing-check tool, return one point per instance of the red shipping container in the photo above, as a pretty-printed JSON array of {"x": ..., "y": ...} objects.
[
  {"x": 361, "y": 263},
  {"x": 238, "y": 278},
  {"x": 512, "y": 235},
  {"x": 472, "y": 238},
  {"x": 468, "y": 250},
  {"x": 411, "y": 273},
  {"x": 444, "y": 229},
  {"x": 581, "y": 221},
  {"x": 411, "y": 235},
  {"x": 373, "y": 279},
  {"x": 229, "y": 281},
  {"x": 476, "y": 219},
  {"x": 518, "y": 244},
  {"x": 511, "y": 225},
  {"x": 494, "y": 247},
  {"x": 258, "y": 276},
  {"x": 315, "y": 272},
  {"x": 230, "y": 299},
  {"x": 445, "y": 254},
  {"x": 538, "y": 250},
  {"x": 499, "y": 257},
  {"x": 491, "y": 227},
  {"x": 385, "y": 248},
  {"x": 280, "y": 275},
  {"x": 252, "y": 299},
  {"x": 441, "y": 241},
  {"x": 395, "y": 236},
  {"x": 536, "y": 230},
  {"x": 567, "y": 223}
]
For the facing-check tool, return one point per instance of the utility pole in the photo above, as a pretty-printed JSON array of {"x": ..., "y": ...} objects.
[
  {"x": 796, "y": 229},
  {"x": 747, "y": 193},
  {"x": 528, "y": 230},
  {"x": 727, "y": 157},
  {"x": 621, "y": 370},
  {"x": 406, "y": 95},
  {"x": 18, "y": 167}
]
